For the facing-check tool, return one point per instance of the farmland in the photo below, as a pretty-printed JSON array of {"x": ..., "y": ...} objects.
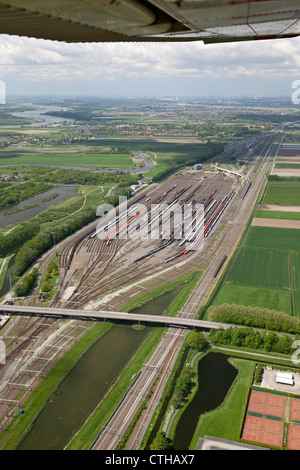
[
  {"x": 283, "y": 193},
  {"x": 60, "y": 157},
  {"x": 266, "y": 272},
  {"x": 260, "y": 267},
  {"x": 290, "y": 166},
  {"x": 277, "y": 215},
  {"x": 270, "y": 238}
]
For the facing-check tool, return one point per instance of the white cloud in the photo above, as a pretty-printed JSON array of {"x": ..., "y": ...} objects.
[{"x": 38, "y": 60}]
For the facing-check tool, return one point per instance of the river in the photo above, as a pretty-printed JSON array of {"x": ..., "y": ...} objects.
[{"x": 38, "y": 114}]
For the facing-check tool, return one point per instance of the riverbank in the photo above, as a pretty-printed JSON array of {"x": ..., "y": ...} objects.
[
  {"x": 12, "y": 436},
  {"x": 36, "y": 403}
]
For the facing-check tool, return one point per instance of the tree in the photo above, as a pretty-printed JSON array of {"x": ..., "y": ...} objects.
[
  {"x": 196, "y": 340},
  {"x": 161, "y": 442}
]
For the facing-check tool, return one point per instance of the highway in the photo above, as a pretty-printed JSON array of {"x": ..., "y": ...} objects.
[{"x": 92, "y": 315}]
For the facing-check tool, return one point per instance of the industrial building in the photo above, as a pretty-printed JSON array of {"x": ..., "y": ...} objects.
[{"x": 285, "y": 378}]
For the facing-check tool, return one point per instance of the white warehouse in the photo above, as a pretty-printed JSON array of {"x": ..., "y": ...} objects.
[{"x": 285, "y": 378}]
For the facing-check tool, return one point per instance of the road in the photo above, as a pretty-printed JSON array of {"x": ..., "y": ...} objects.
[{"x": 92, "y": 315}]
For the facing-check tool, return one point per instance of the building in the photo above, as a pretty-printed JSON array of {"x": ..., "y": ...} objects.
[
  {"x": 285, "y": 378},
  {"x": 198, "y": 167}
]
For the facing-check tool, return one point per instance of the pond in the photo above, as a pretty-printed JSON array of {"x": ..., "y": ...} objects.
[
  {"x": 215, "y": 377},
  {"x": 37, "y": 203}
]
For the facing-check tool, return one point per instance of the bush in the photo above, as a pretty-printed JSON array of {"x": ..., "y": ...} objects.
[
  {"x": 23, "y": 288},
  {"x": 196, "y": 340},
  {"x": 161, "y": 442},
  {"x": 255, "y": 317},
  {"x": 182, "y": 388}
]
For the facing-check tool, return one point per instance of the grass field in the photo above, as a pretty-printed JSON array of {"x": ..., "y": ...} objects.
[
  {"x": 95, "y": 160},
  {"x": 273, "y": 299},
  {"x": 261, "y": 268},
  {"x": 277, "y": 215},
  {"x": 225, "y": 422},
  {"x": 283, "y": 193},
  {"x": 295, "y": 273},
  {"x": 165, "y": 154},
  {"x": 96, "y": 154},
  {"x": 266, "y": 272},
  {"x": 289, "y": 166},
  {"x": 273, "y": 238}
]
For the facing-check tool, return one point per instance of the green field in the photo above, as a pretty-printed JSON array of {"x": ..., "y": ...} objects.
[
  {"x": 277, "y": 215},
  {"x": 266, "y": 273},
  {"x": 289, "y": 166},
  {"x": 260, "y": 268},
  {"x": 273, "y": 238},
  {"x": 273, "y": 299},
  {"x": 95, "y": 160},
  {"x": 295, "y": 272},
  {"x": 283, "y": 193},
  {"x": 114, "y": 154},
  {"x": 166, "y": 155}
]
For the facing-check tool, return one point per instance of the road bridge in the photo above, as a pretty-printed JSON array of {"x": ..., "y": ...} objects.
[
  {"x": 100, "y": 315},
  {"x": 232, "y": 172}
]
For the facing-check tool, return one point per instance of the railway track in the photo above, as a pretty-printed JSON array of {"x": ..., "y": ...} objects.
[
  {"x": 34, "y": 334},
  {"x": 34, "y": 357},
  {"x": 108, "y": 439},
  {"x": 101, "y": 273}
]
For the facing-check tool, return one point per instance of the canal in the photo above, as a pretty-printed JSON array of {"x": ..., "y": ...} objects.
[{"x": 88, "y": 382}]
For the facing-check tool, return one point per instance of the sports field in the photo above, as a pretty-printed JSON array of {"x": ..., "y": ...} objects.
[
  {"x": 266, "y": 272},
  {"x": 270, "y": 417}
]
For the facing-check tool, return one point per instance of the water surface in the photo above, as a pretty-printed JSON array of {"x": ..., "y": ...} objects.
[
  {"x": 64, "y": 192},
  {"x": 215, "y": 377}
]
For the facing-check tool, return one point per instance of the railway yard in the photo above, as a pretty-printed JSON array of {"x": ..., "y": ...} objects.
[{"x": 104, "y": 265}]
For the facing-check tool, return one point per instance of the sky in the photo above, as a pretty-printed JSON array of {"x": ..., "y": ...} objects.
[{"x": 31, "y": 66}]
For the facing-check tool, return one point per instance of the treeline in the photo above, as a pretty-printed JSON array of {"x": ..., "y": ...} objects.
[
  {"x": 245, "y": 131},
  {"x": 23, "y": 288},
  {"x": 64, "y": 176},
  {"x": 283, "y": 178},
  {"x": 182, "y": 387},
  {"x": 254, "y": 317},
  {"x": 197, "y": 342},
  {"x": 250, "y": 339},
  {"x": 43, "y": 241},
  {"x": 13, "y": 240}
]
